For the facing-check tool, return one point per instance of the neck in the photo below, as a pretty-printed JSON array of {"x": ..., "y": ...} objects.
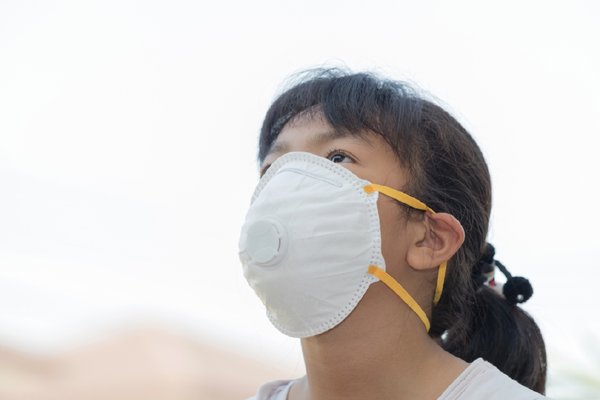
[{"x": 391, "y": 357}]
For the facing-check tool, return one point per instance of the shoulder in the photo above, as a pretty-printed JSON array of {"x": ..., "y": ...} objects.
[
  {"x": 481, "y": 380},
  {"x": 276, "y": 390}
]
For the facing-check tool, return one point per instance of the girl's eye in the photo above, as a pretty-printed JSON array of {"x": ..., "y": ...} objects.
[{"x": 338, "y": 156}]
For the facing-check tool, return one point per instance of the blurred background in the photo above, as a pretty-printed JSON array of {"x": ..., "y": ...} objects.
[{"x": 128, "y": 137}]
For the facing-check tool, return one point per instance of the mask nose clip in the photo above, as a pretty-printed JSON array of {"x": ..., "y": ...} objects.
[{"x": 265, "y": 242}]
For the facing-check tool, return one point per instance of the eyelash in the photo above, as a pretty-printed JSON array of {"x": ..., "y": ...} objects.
[
  {"x": 329, "y": 154},
  {"x": 340, "y": 152}
]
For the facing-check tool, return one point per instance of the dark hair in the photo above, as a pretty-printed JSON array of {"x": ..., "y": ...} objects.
[{"x": 448, "y": 172}]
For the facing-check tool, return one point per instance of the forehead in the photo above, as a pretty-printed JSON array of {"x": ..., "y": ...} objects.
[{"x": 312, "y": 132}]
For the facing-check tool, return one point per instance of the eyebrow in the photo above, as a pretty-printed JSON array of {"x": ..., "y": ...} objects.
[{"x": 316, "y": 140}]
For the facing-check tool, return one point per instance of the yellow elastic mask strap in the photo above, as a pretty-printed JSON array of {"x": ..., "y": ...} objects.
[
  {"x": 401, "y": 292},
  {"x": 439, "y": 287},
  {"x": 418, "y": 205},
  {"x": 398, "y": 195}
]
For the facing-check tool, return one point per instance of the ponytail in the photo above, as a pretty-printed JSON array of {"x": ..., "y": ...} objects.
[{"x": 498, "y": 330}]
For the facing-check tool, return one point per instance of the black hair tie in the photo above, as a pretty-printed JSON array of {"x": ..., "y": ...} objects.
[
  {"x": 483, "y": 272},
  {"x": 516, "y": 289}
]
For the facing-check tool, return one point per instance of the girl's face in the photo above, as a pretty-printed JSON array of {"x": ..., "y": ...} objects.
[{"x": 370, "y": 158}]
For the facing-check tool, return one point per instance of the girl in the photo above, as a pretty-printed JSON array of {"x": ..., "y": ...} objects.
[{"x": 366, "y": 238}]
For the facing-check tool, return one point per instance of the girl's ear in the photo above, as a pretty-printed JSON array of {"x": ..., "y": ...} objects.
[{"x": 442, "y": 237}]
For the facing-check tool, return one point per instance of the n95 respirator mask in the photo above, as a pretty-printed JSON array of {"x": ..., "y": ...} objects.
[{"x": 310, "y": 245}]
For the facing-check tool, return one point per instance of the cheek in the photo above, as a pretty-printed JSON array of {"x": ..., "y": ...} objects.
[{"x": 393, "y": 235}]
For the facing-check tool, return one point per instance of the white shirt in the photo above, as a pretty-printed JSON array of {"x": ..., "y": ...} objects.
[{"x": 481, "y": 380}]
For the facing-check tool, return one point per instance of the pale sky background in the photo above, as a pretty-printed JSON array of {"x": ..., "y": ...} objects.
[{"x": 128, "y": 140}]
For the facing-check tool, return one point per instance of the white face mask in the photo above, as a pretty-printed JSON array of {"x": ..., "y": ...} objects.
[{"x": 311, "y": 244}]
